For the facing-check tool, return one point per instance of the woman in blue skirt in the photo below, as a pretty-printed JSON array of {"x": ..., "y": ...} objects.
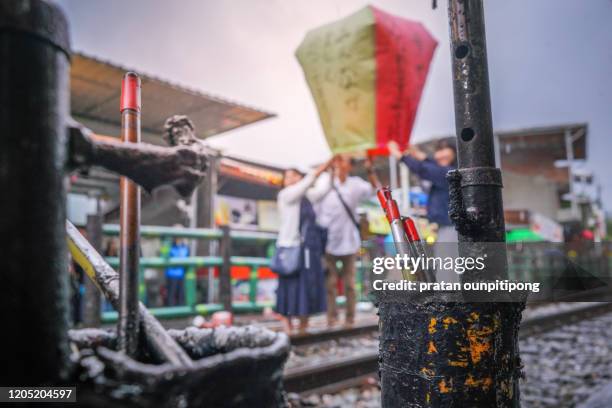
[{"x": 302, "y": 293}]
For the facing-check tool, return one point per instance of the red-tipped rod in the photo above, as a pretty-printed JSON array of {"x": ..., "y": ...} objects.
[
  {"x": 393, "y": 216},
  {"x": 411, "y": 230},
  {"x": 129, "y": 221},
  {"x": 413, "y": 236},
  {"x": 384, "y": 196}
]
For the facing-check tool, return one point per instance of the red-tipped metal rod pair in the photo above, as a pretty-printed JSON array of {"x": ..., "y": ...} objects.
[{"x": 403, "y": 229}]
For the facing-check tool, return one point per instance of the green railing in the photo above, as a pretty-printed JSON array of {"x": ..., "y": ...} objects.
[
  {"x": 150, "y": 231},
  {"x": 222, "y": 260}
]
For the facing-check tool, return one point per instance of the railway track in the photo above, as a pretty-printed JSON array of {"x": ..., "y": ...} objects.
[
  {"x": 337, "y": 374},
  {"x": 333, "y": 333}
]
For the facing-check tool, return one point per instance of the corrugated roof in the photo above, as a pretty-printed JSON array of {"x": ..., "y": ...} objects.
[
  {"x": 549, "y": 140},
  {"x": 96, "y": 87}
]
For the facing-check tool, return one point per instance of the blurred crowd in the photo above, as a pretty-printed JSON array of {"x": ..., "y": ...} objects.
[{"x": 319, "y": 236}]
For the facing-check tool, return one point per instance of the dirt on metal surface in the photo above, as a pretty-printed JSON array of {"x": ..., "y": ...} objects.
[
  {"x": 182, "y": 166},
  {"x": 249, "y": 360},
  {"x": 161, "y": 346}
]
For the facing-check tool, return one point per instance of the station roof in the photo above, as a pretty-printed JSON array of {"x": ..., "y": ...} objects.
[
  {"x": 96, "y": 87},
  {"x": 95, "y": 90}
]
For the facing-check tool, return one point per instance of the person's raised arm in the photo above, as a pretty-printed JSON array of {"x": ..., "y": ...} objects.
[
  {"x": 296, "y": 191},
  {"x": 417, "y": 162},
  {"x": 320, "y": 189},
  {"x": 413, "y": 158}
]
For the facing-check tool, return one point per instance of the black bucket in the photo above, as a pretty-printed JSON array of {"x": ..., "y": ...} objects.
[{"x": 233, "y": 367}]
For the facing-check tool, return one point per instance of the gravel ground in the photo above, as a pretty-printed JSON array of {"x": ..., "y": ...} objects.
[
  {"x": 539, "y": 310},
  {"x": 562, "y": 369},
  {"x": 565, "y": 366},
  {"x": 325, "y": 350},
  {"x": 364, "y": 397}
]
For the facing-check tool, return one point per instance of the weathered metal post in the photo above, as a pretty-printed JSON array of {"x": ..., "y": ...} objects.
[
  {"x": 225, "y": 278},
  {"x": 129, "y": 251},
  {"x": 455, "y": 349},
  {"x": 205, "y": 217},
  {"x": 107, "y": 280},
  {"x": 34, "y": 105},
  {"x": 91, "y": 308},
  {"x": 476, "y": 209}
]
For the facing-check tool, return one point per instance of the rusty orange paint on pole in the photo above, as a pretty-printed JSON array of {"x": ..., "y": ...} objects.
[{"x": 129, "y": 254}]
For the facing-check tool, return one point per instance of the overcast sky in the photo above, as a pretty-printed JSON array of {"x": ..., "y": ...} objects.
[{"x": 550, "y": 63}]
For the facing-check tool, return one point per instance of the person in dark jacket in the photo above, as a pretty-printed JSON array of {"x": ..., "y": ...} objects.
[{"x": 434, "y": 170}]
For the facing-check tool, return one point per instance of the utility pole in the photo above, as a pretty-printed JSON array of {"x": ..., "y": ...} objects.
[{"x": 450, "y": 349}]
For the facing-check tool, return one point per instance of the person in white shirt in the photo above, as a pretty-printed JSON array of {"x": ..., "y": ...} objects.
[
  {"x": 337, "y": 214},
  {"x": 302, "y": 294}
]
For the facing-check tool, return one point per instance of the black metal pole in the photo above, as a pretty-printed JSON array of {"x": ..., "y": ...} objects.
[
  {"x": 439, "y": 350},
  {"x": 34, "y": 105},
  {"x": 476, "y": 204},
  {"x": 491, "y": 377},
  {"x": 129, "y": 250}
]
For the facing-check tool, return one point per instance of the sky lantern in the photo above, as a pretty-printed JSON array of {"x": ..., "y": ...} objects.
[{"x": 366, "y": 73}]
